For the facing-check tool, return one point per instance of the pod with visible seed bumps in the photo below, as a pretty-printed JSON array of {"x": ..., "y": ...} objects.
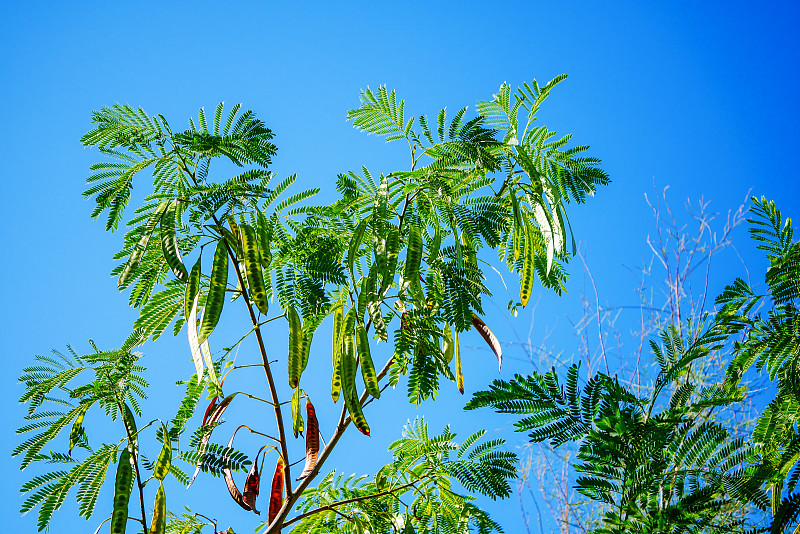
[
  {"x": 367, "y": 367},
  {"x": 312, "y": 441},
  {"x": 192, "y": 288},
  {"x": 459, "y": 370},
  {"x": 336, "y": 380},
  {"x": 77, "y": 428},
  {"x": 123, "y": 484},
  {"x": 348, "y": 366},
  {"x": 162, "y": 465},
  {"x": 252, "y": 266},
  {"x": 295, "y": 359},
  {"x": 159, "y": 523},
  {"x": 216, "y": 292},
  {"x": 169, "y": 243},
  {"x": 528, "y": 268},
  {"x": 276, "y": 492},
  {"x": 297, "y": 416},
  {"x": 413, "y": 256}
]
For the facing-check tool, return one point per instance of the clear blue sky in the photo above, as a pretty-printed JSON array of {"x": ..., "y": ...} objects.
[{"x": 698, "y": 96}]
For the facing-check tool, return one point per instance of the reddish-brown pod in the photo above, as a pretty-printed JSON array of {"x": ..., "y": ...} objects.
[
  {"x": 252, "y": 484},
  {"x": 276, "y": 492},
  {"x": 312, "y": 441}
]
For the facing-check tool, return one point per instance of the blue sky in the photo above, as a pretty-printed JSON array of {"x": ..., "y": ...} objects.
[{"x": 700, "y": 97}]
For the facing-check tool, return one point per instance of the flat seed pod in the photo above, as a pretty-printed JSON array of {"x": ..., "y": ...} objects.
[
  {"x": 516, "y": 224},
  {"x": 264, "y": 240},
  {"x": 390, "y": 265},
  {"x": 141, "y": 247},
  {"x": 355, "y": 242},
  {"x": 459, "y": 370},
  {"x": 162, "y": 465},
  {"x": 169, "y": 243},
  {"x": 159, "y": 523},
  {"x": 308, "y": 335},
  {"x": 234, "y": 236},
  {"x": 192, "y": 289},
  {"x": 295, "y": 359},
  {"x": 216, "y": 291},
  {"x": 194, "y": 344},
  {"x": 212, "y": 419},
  {"x": 230, "y": 483},
  {"x": 297, "y": 415},
  {"x": 413, "y": 256},
  {"x": 77, "y": 428},
  {"x": 252, "y": 484},
  {"x": 130, "y": 424},
  {"x": 367, "y": 366},
  {"x": 348, "y": 365},
  {"x": 528, "y": 269},
  {"x": 336, "y": 380},
  {"x": 123, "y": 484},
  {"x": 276, "y": 492},
  {"x": 448, "y": 348},
  {"x": 252, "y": 267},
  {"x": 312, "y": 441},
  {"x": 490, "y": 338}
]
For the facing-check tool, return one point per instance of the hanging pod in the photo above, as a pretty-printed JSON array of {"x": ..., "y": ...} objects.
[
  {"x": 252, "y": 484},
  {"x": 528, "y": 268},
  {"x": 413, "y": 256},
  {"x": 164, "y": 461},
  {"x": 212, "y": 419},
  {"x": 448, "y": 347},
  {"x": 159, "y": 523},
  {"x": 169, "y": 242},
  {"x": 216, "y": 291},
  {"x": 459, "y": 370},
  {"x": 297, "y": 416},
  {"x": 141, "y": 247},
  {"x": 295, "y": 360},
  {"x": 252, "y": 267},
  {"x": 348, "y": 366},
  {"x": 490, "y": 339},
  {"x": 276, "y": 492},
  {"x": 367, "y": 366},
  {"x": 230, "y": 483},
  {"x": 192, "y": 289},
  {"x": 312, "y": 441},
  {"x": 77, "y": 428},
  {"x": 123, "y": 484},
  {"x": 336, "y": 379}
]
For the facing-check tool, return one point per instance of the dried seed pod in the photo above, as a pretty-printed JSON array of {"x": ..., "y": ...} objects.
[
  {"x": 229, "y": 482},
  {"x": 312, "y": 441},
  {"x": 276, "y": 492},
  {"x": 212, "y": 419},
  {"x": 490, "y": 338},
  {"x": 252, "y": 484}
]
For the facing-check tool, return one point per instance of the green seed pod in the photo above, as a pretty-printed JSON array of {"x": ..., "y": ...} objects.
[
  {"x": 159, "y": 523},
  {"x": 164, "y": 461},
  {"x": 77, "y": 428},
  {"x": 192, "y": 288},
  {"x": 216, "y": 292},
  {"x": 336, "y": 380},
  {"x": 252, "y": 266},
  {"x": 348, "y": 366},
  {"x": 123, "y": 483},
  {"x": 528, "y": 268},
  {"x": 295, "y": 347},
  {"x": 367, "y": 367},
  {"x": 413, "y": 256},
  {"x": 169, "y": 242}
]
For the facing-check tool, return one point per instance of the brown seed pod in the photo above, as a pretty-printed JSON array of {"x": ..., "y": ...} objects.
[
  {"x": 232, "y": 488},
  {"x": 490, "y": 338},
  {"x": 212, "y": 419},
  {"x": 252, "y": 484},
  {"x": 276, "y": 492},
  {"x": 312, "y": 441}
]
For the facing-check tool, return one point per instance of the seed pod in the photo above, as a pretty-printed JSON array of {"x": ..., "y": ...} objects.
[
  {"x": 295, "y": 347},
  {"x": 169, "y": 242},
  {"x": 216, "y": 291},
  {"x": 162, "y": 465},
  {"x": 389, "y": 267},
  {"x": 212, "y": 419},
  {"x": 229, "y": 482},
  {"x": 413, "y": 256},
  {"x": 308, "y": 335},
  {"x": 264, "y": 240},
  {"x": 77, "y": 428},
  {"x": 348, "y": 365},
  {"x": 276, "y": 492},
  {"x": 297, "y": 416},
  {"x": 528, "y": 268},
  {"x": 130, "y": 425},
  {"x": 459, "y": 370},
  {"x": 355, "y": 242},
  {"x": 312, "y": 441},
  {"x": 234, "y": 236},
  {"x": 141, "y": 246},
  {"x": 194, "y": 344},
  {"x": 490, "y": 338},
  {"x": 123, "y": 483},
  {"x": 192, "y": 289},
  {"x": 252, "y": 484},
  {"x": 367, "y": 367},
  {"x": 516, "y": 225},
  {"x": 448, "y": 347},
  {"x": 159, "y": 523},
  {"x": 336, "y": 380},
  {"x": 252, "y": 266}
]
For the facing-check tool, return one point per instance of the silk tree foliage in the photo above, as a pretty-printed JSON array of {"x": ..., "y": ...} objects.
[
  {"x": 398, "y": 256},
  {"x": 668, "y": 462}
]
